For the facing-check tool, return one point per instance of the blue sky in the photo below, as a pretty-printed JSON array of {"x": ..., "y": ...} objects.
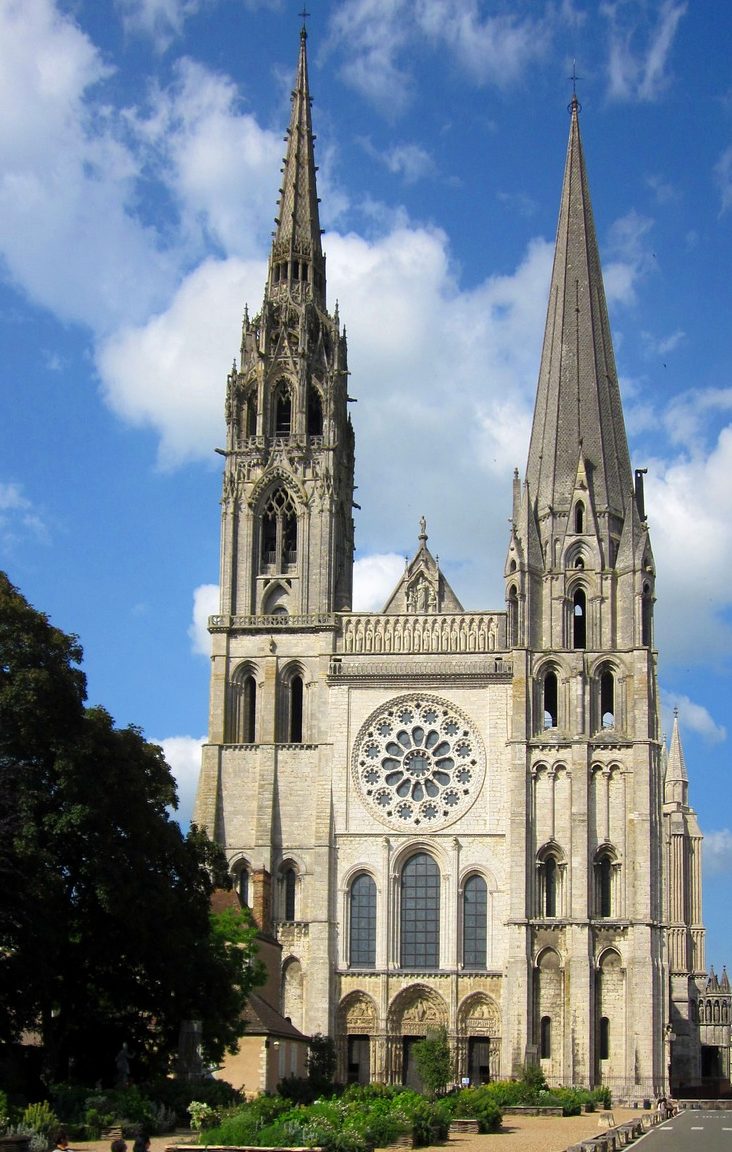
[{"x": 140, "y": 146}]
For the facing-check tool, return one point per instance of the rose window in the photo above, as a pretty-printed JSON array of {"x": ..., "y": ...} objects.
[{"x": 418, "y": 761}]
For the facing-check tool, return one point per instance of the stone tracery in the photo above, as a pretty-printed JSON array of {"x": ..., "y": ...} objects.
[{"x": 418, "y": 761}]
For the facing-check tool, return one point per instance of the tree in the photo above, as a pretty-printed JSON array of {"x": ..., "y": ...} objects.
[
  {"x": 434, "y": 1062},
  {"x": 112, "y": 940}
]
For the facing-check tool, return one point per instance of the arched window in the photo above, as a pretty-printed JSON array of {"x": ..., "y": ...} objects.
[
  {"x": 240, "y": 877},
  {"x": 289, "y": 887},
  {"x": 295, "y": 734},
  {"x": 475, "y": 922},
  {"x": 279, "y": 532},
  {"x": 550, "y": 694},
  {"x": 647, "y": 616},
  {"x": 251, "y": 413},
  {"x": 362, "y": 950},
  {"x": 604, "y": 885},
  {"x": 420, "y": 913},
  {"x": 579, "y": 619},
  {"x": 604, "y": 1038},
  {"x": 550, "y": 886},
  {"x": 513, "y": 620},
  {"x": 291, "y": 706},
  {"x": 283, "y": 411},
  {"x": 315, "y": 412},
  {"x": 545, "y": 1038},
  {"x": 607, "y": 699},
  {"x": 241, "y": 721},
  {"x": 579, "y": 517}
]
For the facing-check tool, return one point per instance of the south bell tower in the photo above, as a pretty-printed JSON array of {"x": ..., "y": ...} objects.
[
  {"x": 588, "y": 786},
  {"x": 287, "y": 530}
]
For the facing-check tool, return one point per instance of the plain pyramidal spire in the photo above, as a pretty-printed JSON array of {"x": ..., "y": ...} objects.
[{"x": 578, "y": 411}]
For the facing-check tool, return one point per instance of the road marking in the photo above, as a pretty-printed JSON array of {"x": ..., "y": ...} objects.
[
  {"x": 727, "y": 1129},
  {"x": 697, "y": 1127}
]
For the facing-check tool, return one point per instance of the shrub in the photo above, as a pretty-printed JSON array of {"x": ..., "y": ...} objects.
[
  {"x": 479, "y": 1104},
  {"x": 40, "y": 1118},
  {"x": 37, "y": 1141}
]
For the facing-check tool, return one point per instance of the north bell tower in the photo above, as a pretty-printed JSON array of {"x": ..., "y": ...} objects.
[{"x": 287, "y": 531}]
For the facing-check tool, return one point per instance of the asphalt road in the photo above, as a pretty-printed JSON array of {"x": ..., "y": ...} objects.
[{"x": 693, "y": 1130}]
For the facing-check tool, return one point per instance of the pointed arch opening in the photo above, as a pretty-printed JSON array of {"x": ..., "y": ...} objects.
[
  {"x": 647, "y": 615},
  {"x": 579, "y": 619},
  {"x": 550, "y": 887},
  {"x": 579, "y": 517},
  {"x": 606, "y": 870},
  {"x": 607, "y": 698},
  {"x": 513, "y": 617},
  {"x": 289, "y": 893},
  {"x": 420, "y": 913},
  {"x": 291, "y": 706},
  {"x": 278, "y": 532},
  {"x": 362, "y": 922},
  {"x": 241, "y": 717},
  {"x": 314, "y": 412},
  {"x": 545, "y": 1038},
  {"x": 250, "y": 415},
  {"x": 604, "y": 1038},
  {"x": 550, "y": 691},
  {"x": 475, "y": 923},
  {"x": 282, "y": 410}
]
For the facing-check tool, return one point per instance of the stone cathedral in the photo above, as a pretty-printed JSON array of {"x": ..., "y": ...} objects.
[{"x": 444, "y": 818}]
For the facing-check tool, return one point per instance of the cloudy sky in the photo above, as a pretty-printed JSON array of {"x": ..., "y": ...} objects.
[{"x": 140, "y": 146}]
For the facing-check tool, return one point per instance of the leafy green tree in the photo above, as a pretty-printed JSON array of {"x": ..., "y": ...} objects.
[
  {"x": 321, "y": 1063},
  {"x": 434, "y": 1062},
  {"x": 106, "y": 936}
]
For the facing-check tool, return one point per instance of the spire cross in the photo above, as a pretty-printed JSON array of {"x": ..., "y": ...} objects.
[
  {"x": 574, "y": 78},
  {"x": 305, "y": 14}
]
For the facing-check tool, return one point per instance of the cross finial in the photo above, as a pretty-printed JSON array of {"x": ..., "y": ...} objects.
[
  {"x": 574, "y": 105},
  {"x": 305, "y": 14}
]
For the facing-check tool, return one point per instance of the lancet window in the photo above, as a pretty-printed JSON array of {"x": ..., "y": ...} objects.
[
  {"x": 420, "y": 913},
  {"x": 362, "y": 922},
  {"x": 475, "y": 922}
]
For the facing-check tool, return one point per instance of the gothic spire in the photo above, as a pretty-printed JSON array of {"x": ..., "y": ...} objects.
[
  {"x": 677, "y": 780},
  {"x": 297, "y": 264},
  {"x": 578, "y": 410}
]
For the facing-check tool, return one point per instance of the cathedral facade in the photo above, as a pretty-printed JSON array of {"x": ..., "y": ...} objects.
[{"x": 451, "y": 819}]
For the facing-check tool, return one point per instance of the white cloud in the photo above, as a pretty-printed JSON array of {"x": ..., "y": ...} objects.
[
  {"x": 693, "y": 717},
  {"x": 69, "y": 236},
  {"x": 170, "y": 373},
  {"x": 18, "y": 517},
  {"x": 689, "y": 499},
  {"x": 410, "y": 161},
  {"x": 205, "y": 603},
  {"x": 218, "y": 163},
  {"x": 374, "y": 579},
  {"x": 641, "y": 43},
  {"x": 183, "y": 754},
  {"x": 717, "y": 852},
  {"x": 380, "y": 35},
  {"x": 161, "y": 20}
]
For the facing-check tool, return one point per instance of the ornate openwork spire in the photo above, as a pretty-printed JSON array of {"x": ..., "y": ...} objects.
[
  {"x": 578, "y": 408},
  {"x": 297, "y": 264}
]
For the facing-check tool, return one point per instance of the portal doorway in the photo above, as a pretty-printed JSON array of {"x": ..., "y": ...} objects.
[
  {"x": 479, "y": 1069},
  {"x": 410, "y": 1076},
  {"x": 359, "y": 1060}
]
